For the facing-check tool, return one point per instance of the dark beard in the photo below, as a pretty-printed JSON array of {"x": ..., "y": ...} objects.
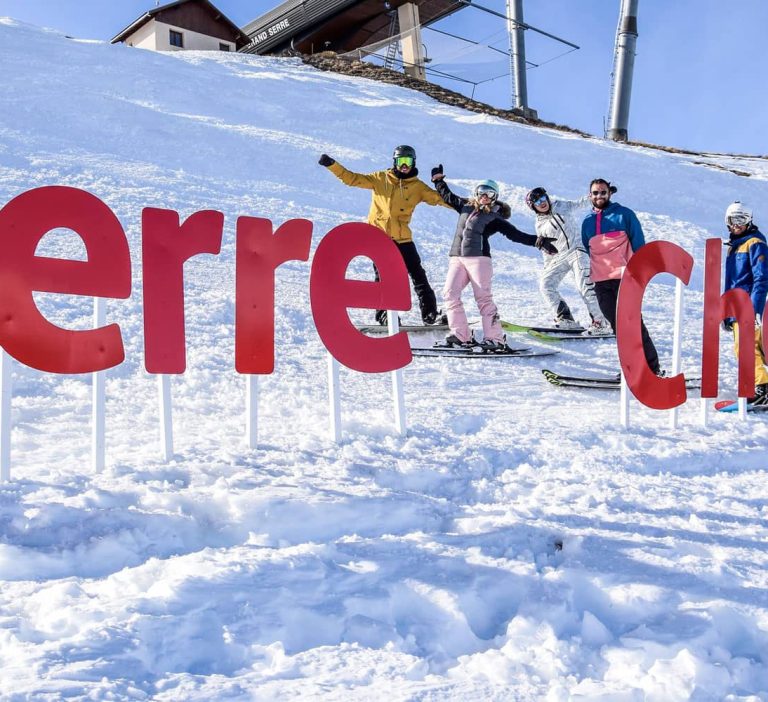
[{"x": 603, "y": 206}]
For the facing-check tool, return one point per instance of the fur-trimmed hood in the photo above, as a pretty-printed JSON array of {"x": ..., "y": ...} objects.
[{"x": 500, "y": 207}]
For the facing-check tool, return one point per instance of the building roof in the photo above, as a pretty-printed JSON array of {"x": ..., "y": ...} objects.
[
  {"x": 341, "y": 25},
  {"x": 151, "y": 14}
]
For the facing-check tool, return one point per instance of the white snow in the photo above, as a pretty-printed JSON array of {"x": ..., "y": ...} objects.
[{"x": 416, "y": 568}]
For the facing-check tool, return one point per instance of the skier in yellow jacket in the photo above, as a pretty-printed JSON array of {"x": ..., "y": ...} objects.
[{"x": 396, "y": 192}]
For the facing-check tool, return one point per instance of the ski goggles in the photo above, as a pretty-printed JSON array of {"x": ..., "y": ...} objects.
[
  {"x": 739, "y": 220},
  {"x": 404, "y": 161},
  {"x": 485, "y": 190},
  {"x": 541, "y": 201}
]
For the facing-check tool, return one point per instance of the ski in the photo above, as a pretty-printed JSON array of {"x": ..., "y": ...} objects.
[
  {"x": 568, "y": 336},
  {"x": 733, "y": 406},
  {"x": 610, "y": 382},
  {"x": 522, "y": 328},
  {"x": 477, "y": 352},
  {"x": 408, "y": 328}
]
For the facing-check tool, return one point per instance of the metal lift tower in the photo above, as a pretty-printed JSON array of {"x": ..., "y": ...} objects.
[{"x": 623, "y": 67}]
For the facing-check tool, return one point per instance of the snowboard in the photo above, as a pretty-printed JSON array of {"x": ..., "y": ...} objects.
[
  {"x": 733, "y": 406},
  {"x": 522, "y": 328},
  {"x": 606, "y": 382},
  {"x": 568, "y": 336}
]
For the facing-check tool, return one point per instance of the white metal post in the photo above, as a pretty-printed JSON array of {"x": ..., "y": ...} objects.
[
  {"x": 334, "y": 399},
  {"x": 251, "y": 410},
  {"x": 398, "y": 396},
  {"x": 6, "y": 390},
  {"x": 676, "y": 344},
  {"x": 704, "y": 413},
  {"x": 98, "y": 443},
  {"x": 743, "y": 409},
  {"x": 166, "y": 416},
  {"x": 624, "y": 400}
]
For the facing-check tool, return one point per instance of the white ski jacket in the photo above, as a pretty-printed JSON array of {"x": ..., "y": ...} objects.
[{"x": 563, "y": 224}]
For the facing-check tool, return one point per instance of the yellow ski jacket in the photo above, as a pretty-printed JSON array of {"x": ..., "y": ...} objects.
[{"x": 393, "y": 199}]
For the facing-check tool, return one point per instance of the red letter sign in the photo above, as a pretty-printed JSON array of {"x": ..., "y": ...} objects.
[
  {"x": 331, "y": 294},
  {"x": 653, "y": 258},
  {"x": 24, "y": 332},
  {"x": 734, "y": 303},
  {"x": 259, "y": 253},
  {"x": 165, "y": 245}
]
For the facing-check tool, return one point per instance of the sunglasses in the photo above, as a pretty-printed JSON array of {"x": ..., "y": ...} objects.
[
  {"x": 596, "y": 193},
  {"x": 404, "y": 161},
  {"x": 541, "y": 201}
]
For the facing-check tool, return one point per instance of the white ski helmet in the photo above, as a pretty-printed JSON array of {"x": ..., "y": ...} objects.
[{"x": 738, "y": 214}]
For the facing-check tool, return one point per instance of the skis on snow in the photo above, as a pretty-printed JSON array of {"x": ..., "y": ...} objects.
[
  {"x": 606, "y": 382},
  {"x": 478, "y": 352},
  {"x": 408, "y": 328}
]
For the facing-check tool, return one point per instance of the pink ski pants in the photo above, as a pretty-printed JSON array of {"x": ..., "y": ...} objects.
[{"x": 477, "y": 270}]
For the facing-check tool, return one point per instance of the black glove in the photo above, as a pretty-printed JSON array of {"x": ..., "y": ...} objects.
[
  {"x": 545, "y": 243},
  {"x": 728, "y": 323},
  {"x": 437, "y": 172},
  {"x": 326, "y": 160},
  {"x": 613, "y": 189}
]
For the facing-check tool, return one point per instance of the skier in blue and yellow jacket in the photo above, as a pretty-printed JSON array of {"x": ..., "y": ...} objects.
[{"x": 746, "y": 267}]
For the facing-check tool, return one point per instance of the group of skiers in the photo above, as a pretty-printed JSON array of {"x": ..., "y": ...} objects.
[{"x": 593, "y": 238}]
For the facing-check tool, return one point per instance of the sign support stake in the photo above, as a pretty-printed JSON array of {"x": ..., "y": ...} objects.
[
  {"x": 252, "y": 410},
  {"x": 98, "y": 442},
  {"x": 166, "y": 416},
  {"x": 6, "y": 390},
  {"x": 398, "y": 396},
  {"x": 334, "y": 399}
]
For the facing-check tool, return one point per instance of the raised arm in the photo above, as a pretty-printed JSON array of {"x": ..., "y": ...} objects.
[
  {"x": 568, "y": 207},
  {"x": 355, "y": 180},
  {"x": 449, "y": 198}
]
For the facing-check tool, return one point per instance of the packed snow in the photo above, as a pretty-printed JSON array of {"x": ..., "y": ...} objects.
[{"x": 516, "y": 544}]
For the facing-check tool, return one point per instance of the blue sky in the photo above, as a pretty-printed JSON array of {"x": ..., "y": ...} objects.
[{"x": 699, "y": 74}]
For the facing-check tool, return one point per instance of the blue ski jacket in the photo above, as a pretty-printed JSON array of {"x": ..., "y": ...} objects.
[
  {"x": 611, "y": 236},
  {"x": 746, "y": 266}
]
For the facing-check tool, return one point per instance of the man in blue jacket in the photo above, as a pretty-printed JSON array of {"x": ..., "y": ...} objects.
[
  {"x": 611, "y": 233},
  {"x": 746, "y": 267}
]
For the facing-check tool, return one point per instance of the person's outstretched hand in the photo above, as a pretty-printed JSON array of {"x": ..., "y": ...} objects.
[
  {"x": 545, "y": 243},
  {"x": 326, "y": 160},
  {"x": 437, "y": 173}
]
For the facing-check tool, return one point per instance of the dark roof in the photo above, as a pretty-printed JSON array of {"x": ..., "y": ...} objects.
[
  {"x": 219, "y": 16},
  {"x": 343, "y": 25}
]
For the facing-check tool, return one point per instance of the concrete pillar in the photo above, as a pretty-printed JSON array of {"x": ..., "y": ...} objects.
[
  {"x": 623, "y": 68},
  {"x": 410, "y": 43}
]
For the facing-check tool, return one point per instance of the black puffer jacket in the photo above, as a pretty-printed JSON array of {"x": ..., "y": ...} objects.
[{"x": 475, "y": 227}]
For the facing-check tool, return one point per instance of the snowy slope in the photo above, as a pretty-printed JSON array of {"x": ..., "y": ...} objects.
[{"x": 382, "y": 568}]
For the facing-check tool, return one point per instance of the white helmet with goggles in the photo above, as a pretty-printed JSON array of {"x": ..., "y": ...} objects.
[
  {"x": 738, "y": 215},
  {"x": 490, "y": 188}
]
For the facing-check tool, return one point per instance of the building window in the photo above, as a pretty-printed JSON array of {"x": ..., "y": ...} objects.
[
  {"x": 177, "y": 38},
  {"x": 224, "y": 47}
]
